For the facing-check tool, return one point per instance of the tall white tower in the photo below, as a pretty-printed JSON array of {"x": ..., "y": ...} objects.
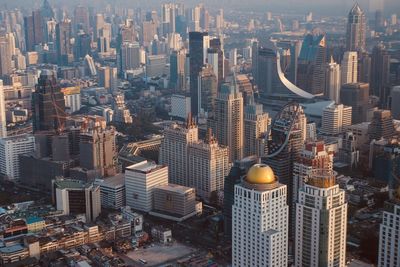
[
  {"x": 3, "y": 122},
  {"x": 349, "y": 67},
  {"x": 332, "y": 81},
  {"x": 260, "y": 220},
  {"x": 321, "y": 222}
]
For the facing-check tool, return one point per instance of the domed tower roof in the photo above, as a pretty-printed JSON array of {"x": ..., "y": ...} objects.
[{"x": 260, "y": 174}]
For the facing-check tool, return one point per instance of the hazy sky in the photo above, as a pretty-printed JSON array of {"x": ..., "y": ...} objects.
[{"x": 334, "y": 7}]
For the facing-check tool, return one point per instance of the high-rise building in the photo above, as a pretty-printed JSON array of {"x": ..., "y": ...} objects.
[
  {"x": 381, "y": 125},
  {"x": 313, "y": 156},
  {"x": 356, "y": 95},
  {"x": 332, "y": 81},
  {"x": 33, "y": 30},
  {"x": 112, "y": 191},
  {"x": 98, "y": 151},
  {"x": 48, "y": 105},
  {"x": 260, "y": 220},
  {"x": 155, "y": 65},
  {"x": 177, "y": 70},
  {"x": 10, "y": 149},
  {"x": 81, "y": 19},
  {"x": 229, "y": 120},
  {"x": 312, "y": 64},
  {"x": 82, "y": 45},
  {"x": 141, "y": 179},
  {"x": 108, "y": 78},
  {"x": 6, "y": 53},
  {"x": 199, "y": 42},
  {"x": 335, "y": 118},
  {"x": 321, "y": 221},
  {"x": 208, "y": 87},
  {"x": 388, "y": 255},
  {"x": 215, "y": 57},
  {"x": 394, "y": 99},
  {"x": 130, "y": 56},
  {"x": 256, "y": 124},
  {"x": 208, "y": 164},
  {"x": 3, "y": 121},
  {"x": 288, "y": 133},
  {"x": 174, "y": 150},
  {"x": 63, "y": 39},
  {"x": 349, "y": 73},
  {"x": 76, "y": 197},
  {"x": 380, "y": 74},
  {"x": 356, "y": 29}
]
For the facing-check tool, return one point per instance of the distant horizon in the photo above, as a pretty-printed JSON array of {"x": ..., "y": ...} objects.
[{"x": 319, "y": 7}]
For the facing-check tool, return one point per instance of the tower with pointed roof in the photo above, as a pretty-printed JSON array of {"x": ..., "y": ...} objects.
[{"x": 356, "y": 29}]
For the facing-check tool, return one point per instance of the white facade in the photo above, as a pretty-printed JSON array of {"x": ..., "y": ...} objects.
[
  {"x": 349, "y": 67},
  {"x": 140, "y": 181},
  {"x": 321, "y": 223},
  {"x": 389, "y": 242},
  {"x": 180, "y": 106},
  {"x": 73, "y": 102},
  {"x": 10, "y": 149},
  {"x": 3, "y": 122},
  {"x": 332, "y": 81},
  {"x": 260, "y": 227},
  {"x": 335, "y": 118}
]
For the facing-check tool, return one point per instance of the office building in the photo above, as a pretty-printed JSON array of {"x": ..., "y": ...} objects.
[
  {"x": 72, "y": 97},
  {"x": 256, "y": 123},
  {"x": 381, "y": 125},
  {"x": 335, "y": 118},
  {"x": 141, "y": 179},
  {"x": 98, "y": 151},
  {"x": 208, "y": 86},
  {"x": 175, "y": 202},
  {"x": 81, "y": 19},
  {"x": 321, "y": 221},
  {"x": 3, "y": 121},
  {"x": 260, "y": 220},
  {"x": 33, "y": 30},
  {"x": 349, "y": 73},
  {"x": 356, "y": 32},
  {"x": 112, "y": 190},
  {"x": 174, "y": 150},
  {"x": 177, "y": 70},
  {"x": 63, "y": 39},
  {"x": 10, "y": 149},
  {"x": 48, "y": 105},
  {"x": 388, "y": 254},
  {"x": 180, "y": 106},
  {"x": 130, "y": 56},
  {"x": 312, "y": 63},
  {"x": 332, "y": 81},
  {"x": 199, "y": 42},
  {"x": 107, "y": 78},
  {"x": 208, "y": 164},
  {"x": 356, "y": 96},
  {"x": 156, "y": 65},
  {"x": 229, "y": 120},
  {"x": 76, "y": 197},
  {"x": 380, "y": 74},
  {"x": 6, "y": 53},
  {"x": 348, "y": 153},
  {"x": 394, "y": 99}
]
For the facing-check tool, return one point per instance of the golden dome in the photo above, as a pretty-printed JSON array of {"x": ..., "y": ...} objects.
[{"x": 260, "y": 174}]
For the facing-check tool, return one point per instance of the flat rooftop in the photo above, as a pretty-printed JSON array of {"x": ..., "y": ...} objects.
[
  {"x": 70, "y": 183},
  {"x": 174, "y": 188},
  {"x": 113, "y": 181},
  {"x": 144, "y": 167}
]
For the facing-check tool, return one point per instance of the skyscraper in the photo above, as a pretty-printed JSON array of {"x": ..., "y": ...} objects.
[
  {"x": 256, "y": 124},
  {"x": 356, "y": 29},
  {"x": 81, "y": 19},
  {"x": 260, "y": 220},
  {"x": 129, "y": 56},
  {"x": 332, "y": 81},
  {"x": 107, "y": 77},
  {"x": 388, "y": 255},
  {"x": 229, "y": 120},
  {"x": 356, "y": 95},
  {"x": 63, "y": 39},
  {"x": 199, "y": 42},
  {"x": 177, "y": 70},
  {"x": 207, "y": 85},
  {"x": 380, "y": 74},
  {"x": 312, "y": 63},
  {"x": 335, "y": 118},
  {"x": 5, "y": 55},
  {"x": 3, "y": 121},
  {"x": 208, "y": 164},
  {"x": 349, "y": 67},
  {"x": 48, "y": 105},
  {"x": 174, "y": 150},
  {"x": 381, "y": 125},
  {"x": 33, "y": 30},
  {"x": 321, "y": 221}
]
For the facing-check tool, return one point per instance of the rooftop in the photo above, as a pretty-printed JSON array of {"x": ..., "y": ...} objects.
[
  {"x": 144, "y": 167},
  {"x": 174, "y": 188},
  {"x": 70, "y": 184},
  {"x": 114, "y": 181}
]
